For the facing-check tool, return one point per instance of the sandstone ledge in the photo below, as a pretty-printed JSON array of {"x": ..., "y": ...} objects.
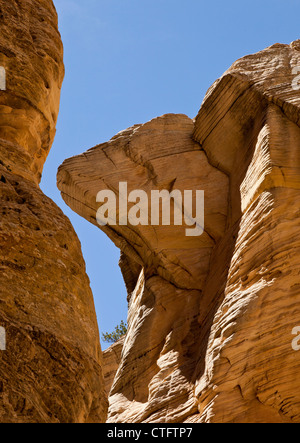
[{"x": 210, "y": 320}]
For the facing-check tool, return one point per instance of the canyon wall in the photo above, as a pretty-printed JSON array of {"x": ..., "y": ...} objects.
[
  {"x": 51, "y": 370},
  {"x": 210, "y": 317}
]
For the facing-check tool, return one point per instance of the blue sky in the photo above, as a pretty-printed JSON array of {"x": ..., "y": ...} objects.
[{"x": 128, "y": 61}]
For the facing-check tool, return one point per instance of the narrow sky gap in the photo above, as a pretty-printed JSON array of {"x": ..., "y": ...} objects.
[{"x": 130, "y": 61}]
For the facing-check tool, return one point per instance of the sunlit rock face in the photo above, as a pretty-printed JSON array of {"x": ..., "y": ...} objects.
[
  {"x": 210, "y": 317},
  {"x": 31, "y": 53},
  {"x": 51, "y": 368},
  {"x": 164, "y": 268},
  {"x": 249, "y": 127}
]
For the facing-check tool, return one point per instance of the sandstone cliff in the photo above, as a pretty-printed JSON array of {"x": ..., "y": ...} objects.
[
  {"x": 210, "y": 318},
  {"x": 51, "y": 369}
]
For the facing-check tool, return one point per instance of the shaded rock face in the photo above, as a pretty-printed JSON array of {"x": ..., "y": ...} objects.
[
  {"x": 51, "y": 369},
  {"x": 210, "y": 318}
]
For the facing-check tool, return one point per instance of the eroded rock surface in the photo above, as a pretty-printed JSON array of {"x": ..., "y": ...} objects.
[
  {"x": 211, "y": 317},
  {"x": 111, "y": 362},
  {"x": 51, "y": 369},
  {"x": 171, "y": 267},
  {"x": 249, "y": 370}
]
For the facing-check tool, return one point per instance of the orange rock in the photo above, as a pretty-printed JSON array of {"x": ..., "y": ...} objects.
[{"x": 51, "y": 369}]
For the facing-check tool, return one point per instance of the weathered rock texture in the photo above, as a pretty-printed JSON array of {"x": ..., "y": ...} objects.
[
  {"x": 31, "y": 53},
  {"x": 210, "y": 318},
  {"x": 51, "y": 370},
  {"x": 111, "y": 362},
  {"x": 249, "y": 128},
  {"x": 169, "y": 269}
]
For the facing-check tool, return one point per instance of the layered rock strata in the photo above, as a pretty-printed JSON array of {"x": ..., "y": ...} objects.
[
  {"x": 211, "y": 317},
  {"x": 248, "y": 126},
  {"x": 167, "y": 267},
  {"x": 51, "y": 370}
]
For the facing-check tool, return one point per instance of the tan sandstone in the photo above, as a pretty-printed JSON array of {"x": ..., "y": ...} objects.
[
  {"x": 249, "y": 370},
  {"x": 111, "y": 362},
  {"x": 210, "y": 318},
  {"x": 170, "y": 267}
]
